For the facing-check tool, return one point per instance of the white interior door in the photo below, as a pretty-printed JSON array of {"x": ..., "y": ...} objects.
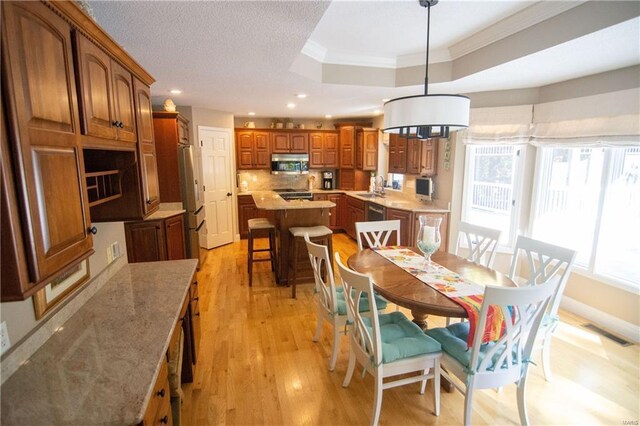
[{"x": 215, "y": 152}]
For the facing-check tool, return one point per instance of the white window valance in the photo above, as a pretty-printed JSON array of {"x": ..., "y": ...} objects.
[{"x": 499, "y": 125}]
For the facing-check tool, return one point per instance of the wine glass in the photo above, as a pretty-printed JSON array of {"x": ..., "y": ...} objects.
[{"x": 429, "y": 236}]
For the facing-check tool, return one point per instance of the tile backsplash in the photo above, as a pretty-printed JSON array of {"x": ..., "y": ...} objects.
[{"x": 261, "y": 180}]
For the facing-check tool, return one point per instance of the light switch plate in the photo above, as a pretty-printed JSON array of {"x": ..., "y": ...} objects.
[{"x": 4, "y": 338}]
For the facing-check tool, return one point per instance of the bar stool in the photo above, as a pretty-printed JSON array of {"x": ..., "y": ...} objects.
[
  {"x": 317, "y": 234},
  {"x": 261, "y": 227}
]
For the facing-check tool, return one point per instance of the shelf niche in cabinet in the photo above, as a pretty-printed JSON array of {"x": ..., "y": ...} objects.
[{"x": 103, "y": 187}]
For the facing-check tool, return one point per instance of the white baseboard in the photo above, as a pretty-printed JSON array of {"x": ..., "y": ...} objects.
[{"x": 625, "y": 329}]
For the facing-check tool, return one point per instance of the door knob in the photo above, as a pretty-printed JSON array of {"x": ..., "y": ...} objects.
[
  {"x": 93, "y": 230},
  {"x": 229, "y": 194}
]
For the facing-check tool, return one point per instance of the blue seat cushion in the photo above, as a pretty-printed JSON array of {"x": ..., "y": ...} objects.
[
  {"x": 402, "y": 338},
  {"x": 454, "y": 342},
  {"x": 381, "y": 302}
]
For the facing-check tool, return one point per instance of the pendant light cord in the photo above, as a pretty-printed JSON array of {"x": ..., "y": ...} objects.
[{"x": 426, "y": 68}]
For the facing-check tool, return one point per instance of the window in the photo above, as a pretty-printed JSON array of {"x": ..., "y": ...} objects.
[
  {"x": 589, "y": 199},
  {"x": 491, "y": 188},
  {"x": 394, "y": 181}
]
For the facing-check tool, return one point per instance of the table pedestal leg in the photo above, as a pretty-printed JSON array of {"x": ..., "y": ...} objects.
[{"x": 420, "y": 318}]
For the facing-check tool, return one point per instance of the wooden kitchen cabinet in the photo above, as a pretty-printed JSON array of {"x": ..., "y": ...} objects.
[
  {"x": 155, "y": 240},
  {"x": 347, "y": 147},
  {"x": 323, "y": 150},
  {"x": 406, "y": 224},
  {"x": 444, "y": 228},
  {"x": 287, "y": 142},
  {"x": 158, "y": 410},
  {"x": 414, "y": 151},
  {"x": 49, "y": 215},
  {"x": 169, "y": 130},
  {"x": 367, "y": 149},
  {"x": 194, "y": 310},
  {"x": 356, "y": 212},
  {"x": 429, "y": 157},
  {"x": 148, "y": 168},
  {"x": 253, "y": 150},
  {"x": 106, "y": 94},
  {"x": 334, "y": 212},
  {"x": 247, "y": 210},
  {"x": 397, "y": 154}
]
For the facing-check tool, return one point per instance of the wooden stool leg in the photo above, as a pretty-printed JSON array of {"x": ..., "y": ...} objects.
[
  {"x": 250, "y": 259},
  {"x": 292, "y": 279},
  {"x": 272, "y": 251}
]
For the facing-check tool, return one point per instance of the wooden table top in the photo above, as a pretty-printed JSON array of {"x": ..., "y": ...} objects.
[{"x": 402, "y": 288}]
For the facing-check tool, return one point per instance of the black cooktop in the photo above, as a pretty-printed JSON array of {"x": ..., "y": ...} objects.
[{"x": 289, "y": 190}]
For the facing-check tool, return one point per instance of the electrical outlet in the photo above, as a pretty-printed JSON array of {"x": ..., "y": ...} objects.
[
  {"x": 115, "y": 250},
  {"x": 4, "y": 338}
]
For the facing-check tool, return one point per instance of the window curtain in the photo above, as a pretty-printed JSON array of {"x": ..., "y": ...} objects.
[
  {"x": 498, "y": 126},
  {"x": 609, "y": 119}
]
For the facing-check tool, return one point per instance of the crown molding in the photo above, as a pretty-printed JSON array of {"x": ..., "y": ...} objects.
[
  {"x": 314, "y": 50},
  {"x": 519, "y": 21}
]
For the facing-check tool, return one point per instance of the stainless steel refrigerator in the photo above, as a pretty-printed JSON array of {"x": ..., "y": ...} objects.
[{"x": 192, "y": 202}]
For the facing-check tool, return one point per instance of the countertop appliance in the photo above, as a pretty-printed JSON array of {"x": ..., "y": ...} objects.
[
  {"x": 289, "y": 164},
  {"x": 327, "y": 180},
  {"x": 294, "y": 194},
  {"x": 192, "y": 202},
  {"x": 375, "y": 213},
  {"x": 424, "y": 189}
]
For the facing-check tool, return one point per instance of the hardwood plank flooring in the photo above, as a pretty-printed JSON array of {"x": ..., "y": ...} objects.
[{"x": 258, "y": 365}]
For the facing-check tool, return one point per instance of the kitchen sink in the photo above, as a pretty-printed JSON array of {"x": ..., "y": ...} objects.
[{"x": 369, "y": 195}]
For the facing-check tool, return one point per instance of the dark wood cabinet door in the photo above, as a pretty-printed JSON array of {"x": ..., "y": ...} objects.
[
  {"x": 397, "y": 154},
  {"x": 413, "y": 155},
  {"x": 335, "y": 221},
  {"x": 195, "y": 319},
  {"x": 146, "y": 148},
  {"x": 347, "y": 147},
  {"x": 145, "y": 241},
  {"x": 316, "y": 147},
  {"x": 45, "y": 137},
  {"x": 123, "y": 107},
  {"x": 246, "y": 210},
  {"x": 280, "y": 142},
  {"x": 429, "y": 157},
  {"x": 174, "y": 232},
  {"x": 94, "y": 78},
  {"x": 406, "y": 224},
  {"x": 330, "y": 142},
  {"x": 370, "y": 154},
  {"x": 299, "y": 143},
  {"x": 245, "y": 151},
  {"x": 262, "y": 153},
  {"x": 359, "y": 149}
]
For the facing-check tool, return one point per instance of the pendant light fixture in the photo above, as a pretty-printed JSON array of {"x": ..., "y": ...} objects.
[{"x": 426, "y": 116}]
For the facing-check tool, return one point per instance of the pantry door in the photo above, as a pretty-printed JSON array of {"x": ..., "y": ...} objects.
[{"x": 215, "y": 155}]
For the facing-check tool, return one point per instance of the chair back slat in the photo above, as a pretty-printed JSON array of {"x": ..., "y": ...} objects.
[
  {"x": 545, "y": 262},
  {"x": 523, "y": 309},
  {"x": 480, "y": 241},
  {"x": 377, "y": 233},
  {"x": 325, "y": 286},
  {"x": 357, "y": 288}
]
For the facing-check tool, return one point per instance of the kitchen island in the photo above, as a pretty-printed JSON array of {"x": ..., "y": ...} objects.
[{"x": 289, "y": 214}]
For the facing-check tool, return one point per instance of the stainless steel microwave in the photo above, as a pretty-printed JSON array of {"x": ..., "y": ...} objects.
[{"x": 289, "y": 164}]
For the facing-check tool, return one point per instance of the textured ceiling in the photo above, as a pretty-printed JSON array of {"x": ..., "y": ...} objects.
[{"x": 237, "y": 56}]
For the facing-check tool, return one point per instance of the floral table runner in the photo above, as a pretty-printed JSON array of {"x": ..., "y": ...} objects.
[{"x": 467, "y": 294}]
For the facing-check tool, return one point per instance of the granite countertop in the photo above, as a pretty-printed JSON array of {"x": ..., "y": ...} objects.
[
  {"x": 101, "y": 365},
  {"x": 402, "y": 203},
  {"x": 269, "y": 200},
  {"x": 163, "y": 214}
]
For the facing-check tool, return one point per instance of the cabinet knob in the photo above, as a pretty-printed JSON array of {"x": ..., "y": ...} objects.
[
  {"x": 196, "y": 299},
  {"x": 120, "y": 124},
  {"x": 164, "y": 420},
  {"x": 114, "y": 123},
  {"x": 229, "y": 194},
  {"x": 149, "y": 201},
  {"x": 93, "y": 230},
  {"x": 160, "y": 393}
]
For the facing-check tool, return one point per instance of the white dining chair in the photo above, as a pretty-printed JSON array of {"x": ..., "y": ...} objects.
[
  {"x": 481, "y": 243},
  {"x": 504, "y": 361},
  {"x": 386, "y": 345},
  {"x": 330, "y": 300},
  {"x": 545, "y": 262},
  {"x": 377, "y": 233}
]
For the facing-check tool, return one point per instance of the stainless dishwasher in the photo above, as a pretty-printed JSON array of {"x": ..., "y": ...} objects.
[{"x": 375, "y": 212}]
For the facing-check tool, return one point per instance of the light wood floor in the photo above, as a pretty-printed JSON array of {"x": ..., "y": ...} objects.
[{"x": 258, "y": 365}]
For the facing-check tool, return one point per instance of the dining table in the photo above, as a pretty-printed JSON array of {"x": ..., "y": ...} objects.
[{"x": 400, "y": 287}]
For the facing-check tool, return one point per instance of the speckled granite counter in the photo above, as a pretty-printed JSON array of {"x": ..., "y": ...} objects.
[
  {"x": 99, "y": 368},
  {"x": 269, "y": 200},
  {"x": 163, "y": 214},
  {"x": 402, "y": 203}
]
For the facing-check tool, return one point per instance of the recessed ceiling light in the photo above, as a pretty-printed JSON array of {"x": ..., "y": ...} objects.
[
  {"x": 291, "y": 105},
  {"x": 252, "y": 113},
  {"x": 301, "y": 95},
  {"x": 175, "y": 91},
  {"x": 328, "y": 116},
  {"x": 386, "y": 100},
  {"x": 377, "y": 111}
]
